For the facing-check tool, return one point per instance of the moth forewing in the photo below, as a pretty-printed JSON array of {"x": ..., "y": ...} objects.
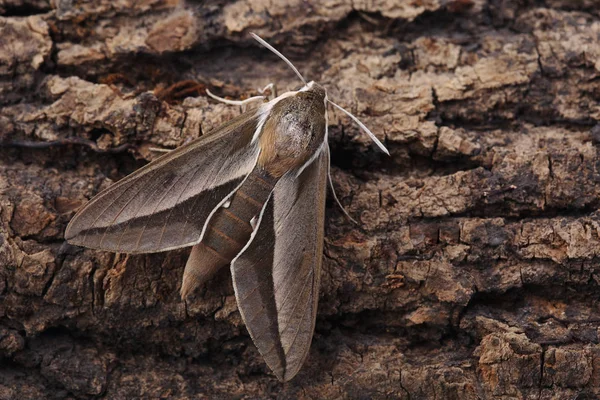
[{"x": 165, "y": 204}]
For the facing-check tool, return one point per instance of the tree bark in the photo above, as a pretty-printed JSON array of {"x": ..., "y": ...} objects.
[{"x": 473, "y": 272}]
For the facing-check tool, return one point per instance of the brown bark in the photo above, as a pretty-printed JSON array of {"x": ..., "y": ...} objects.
[{"x": 473, "y": 273}]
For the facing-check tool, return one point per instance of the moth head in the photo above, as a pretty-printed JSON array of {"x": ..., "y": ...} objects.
[
  {"x": 316, "y": 89},
  {"x": 319, "y": 90}
]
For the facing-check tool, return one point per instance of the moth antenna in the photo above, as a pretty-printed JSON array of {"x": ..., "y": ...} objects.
[
  {"x": 234, "y": 102},
  {"x": 362, "y": 126},
  {"x": 274, "y": 50},
  {"x": 333, "y": 190}
]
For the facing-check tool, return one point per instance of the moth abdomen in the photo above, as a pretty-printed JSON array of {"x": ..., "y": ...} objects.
[{"x": 229, "y": 230}]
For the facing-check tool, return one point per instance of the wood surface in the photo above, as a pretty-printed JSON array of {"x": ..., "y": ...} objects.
[{"x": 473, "y": 273}]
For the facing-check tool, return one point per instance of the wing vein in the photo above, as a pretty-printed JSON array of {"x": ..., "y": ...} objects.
[
  {"x": 187, "y": 217},
  {"x": 146, "y": 199},
  {"x": 250, "y": 293},
  {"x": 193, "y": 205},
  {"x": 123, "y": 208},
  {"x": 286, "y": 324},
  {"x": 286, "y": 351},
  {"x": 93, "y": 225},
  {"x": 162, "y": 234},
  {"x": 137, "y": 244},
  {"x": 287, "y": 296},
  {"x": 248, "y": 322}
]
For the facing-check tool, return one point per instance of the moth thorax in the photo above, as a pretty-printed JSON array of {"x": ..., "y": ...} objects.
[
  {"x": 292, "y": 134},
  {"x": 316, "y": 90}
]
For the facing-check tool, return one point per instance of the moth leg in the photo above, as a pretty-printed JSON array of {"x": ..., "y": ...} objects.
[
  {"x": 271, "y": 88},
  {"x": 241, "y": 103},
  {"x": 333, "y": 189},
  {"x": 159, "y": 150}
]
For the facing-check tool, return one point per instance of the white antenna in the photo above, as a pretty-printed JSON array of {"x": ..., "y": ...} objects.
[
  {"x": 288, "y": 62},
  {"x": 363, "y": 127}
]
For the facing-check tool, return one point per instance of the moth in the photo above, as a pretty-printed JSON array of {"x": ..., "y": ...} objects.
[{"x": 249, "y": 195}]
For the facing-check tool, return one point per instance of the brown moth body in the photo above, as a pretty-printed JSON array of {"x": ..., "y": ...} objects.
[
  {"x": 227, "y": 231},
  {"x": 291, "y": 134},
  {"x": 251, "y": 195}
]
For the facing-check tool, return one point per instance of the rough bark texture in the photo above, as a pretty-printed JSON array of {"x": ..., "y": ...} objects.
[{"x": 473, "y": 273}]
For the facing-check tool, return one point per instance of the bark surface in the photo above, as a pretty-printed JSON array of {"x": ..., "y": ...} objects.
[{"x": 473, "y": 274}]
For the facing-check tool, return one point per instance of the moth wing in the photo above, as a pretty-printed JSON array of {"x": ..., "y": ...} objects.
[
  {"x": 165, "y": 204},
  {"x": 276, "y": 278}
]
